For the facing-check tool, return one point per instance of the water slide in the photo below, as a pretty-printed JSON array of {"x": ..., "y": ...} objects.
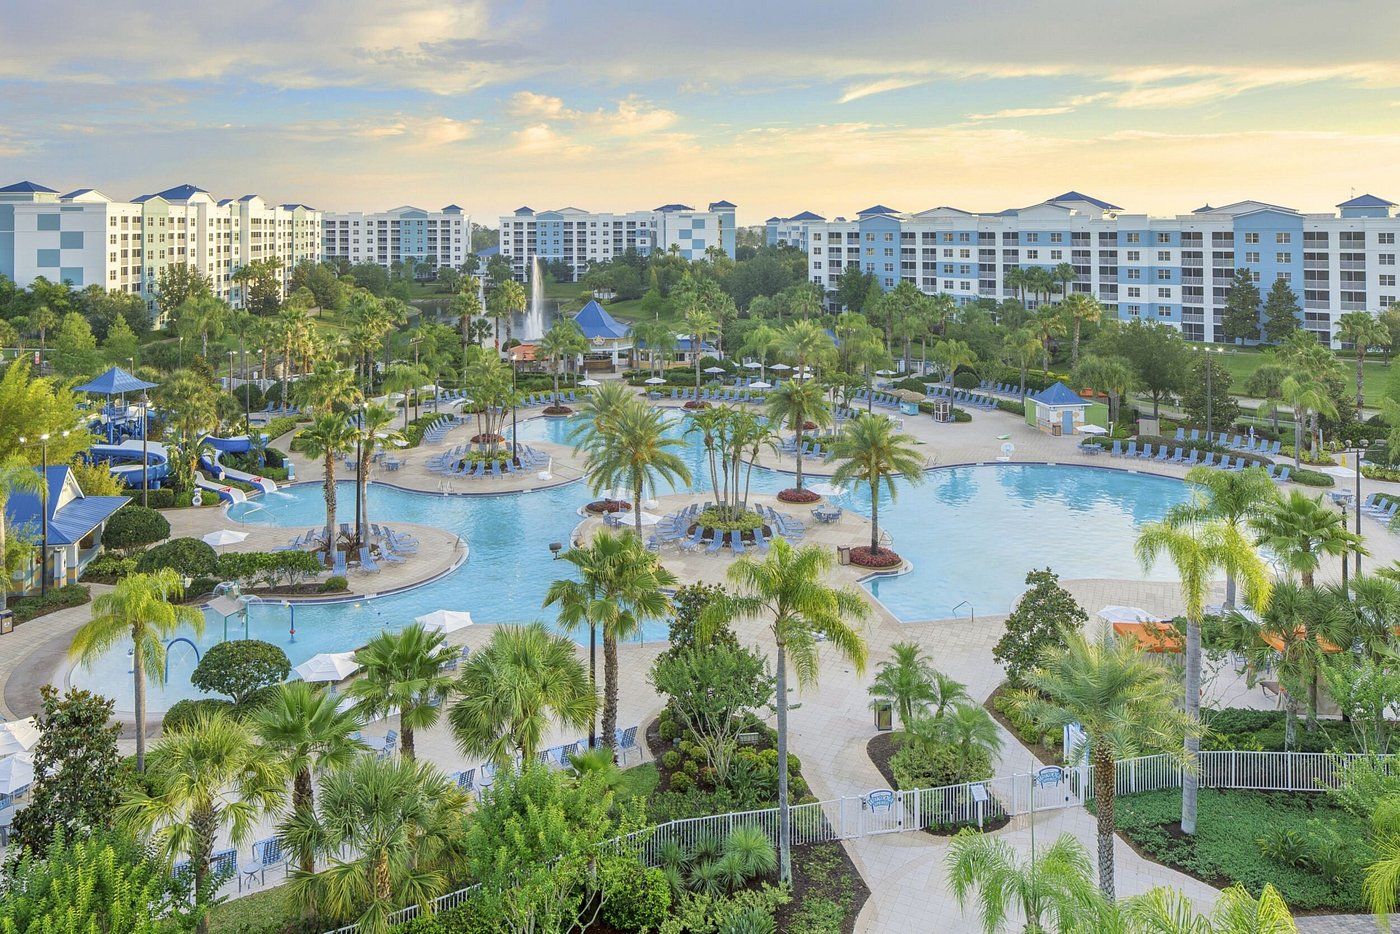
[
  {"x": 124, "y": 461},
  {"x": 236, "y": 445}
]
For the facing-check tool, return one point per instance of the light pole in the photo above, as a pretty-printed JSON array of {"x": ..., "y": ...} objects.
[
  {"x": 359, "y": 474},
  {"x": 1357, "y": 450},
  {"x": 44, "y": 562},
  {"x": 145, "y": 449}
]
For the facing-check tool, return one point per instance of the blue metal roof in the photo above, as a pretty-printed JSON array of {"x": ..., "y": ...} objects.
[
  {"x": 1080, "y": 196},
  {"x": 1059, "y": 394},
  {"x": 247, "y": 197},
  {"x": 596, "y": 323},
  {"x": 524, "y": 210},
  {"x": 225, "y": 202},
  {"x": 807, "y": 216},
  {"x": 28, "y": 186},
  {"x": 115, "y": 382},
  {"x": 141, "y": 199},
  {"x": 722, "y": 204},
  {"x": 182, "y": 192},
  {"x": 452, "y": 209},
  {"x": 1367, "y": 201},
  {"x": 876, "y": 209},
  {"x": 75, "y": 193},
  {"x": 683, "y": 345},
  {"x": 68, "y": 523},
  {"x": 667, "y": 208}
]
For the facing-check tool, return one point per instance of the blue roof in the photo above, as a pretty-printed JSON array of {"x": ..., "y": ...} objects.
[
  {"x": 115, "y": 382},
  {"x": 69, "y": 523},
  {"x": 683, "y": 346},
  {"x": 182, "y": 192},
  {"x": 876, "y": 209},
  {"x": 141, "y": 199},
  {"x": 596, "y": 323},
  {"x": 225, "y": 202},
  {"x": 807, "y": 216},
  {"x": 773, "y": 220},
  {"x": 674, "y": 207},
  {"x": 28, "y": 186},
  {"x": 722, "y": 204},
  {"x": 247, "y": 198},
  {"x": 1080, "y": 196},
  {"x": 75, "y": 193},
  {"x": 1367, "y": 201},
  {"x": 452, "y": 209},
  {"x": 1059, "y": 394},
  {"x": 524, "y": 210}
]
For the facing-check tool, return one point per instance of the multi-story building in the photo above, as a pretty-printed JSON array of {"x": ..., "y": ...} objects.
[
  {"x": 1174, "y": 270},
  {"x": 577, "y": 238},
  {"x": 85, "y": 238},
  {"x": 791, "y": 231},
  {"x": 440, "y": 238}
]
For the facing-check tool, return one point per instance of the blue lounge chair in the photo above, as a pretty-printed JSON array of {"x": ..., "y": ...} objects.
[
  {"x": 1283, "y": 474},
  {"x": 1163, "y": 454},
  {"x": 716, "y": 544},
  {"x": 1145, "y": 453},
  {"x": 1130, "y": 450},
  {"x": 1180, "y": 434},
  {"x": 338, "y": 557},
  {"x": 367, "y": 562},
  {"x": 1117, "y": 449},
  {"x": 1210, "y": 460},
  {"x": 759, "y": 541},
  {"x": 1193, "y": 459},
  {"x": 736, "y": 542}
]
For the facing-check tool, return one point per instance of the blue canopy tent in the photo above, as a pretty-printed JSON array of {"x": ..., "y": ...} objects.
[{"x": 118, "y": 382}]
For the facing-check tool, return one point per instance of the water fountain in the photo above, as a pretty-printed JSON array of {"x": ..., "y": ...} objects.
[{"x": 531, "y": 325}]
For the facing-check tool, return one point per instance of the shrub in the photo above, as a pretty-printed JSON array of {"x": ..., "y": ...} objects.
[
  {"x": 1312, "y": 477},
  {"x": 182, "y": 713},
  {"x": 670, "y": 760},
  {"x": 636, "y": 898},
  {"x": 1015, "y": 408},
  {"x": 334, "y": 584},
  {"x": 240, "y": 668},
  {"x": 201, "y": 587},
  {"x": 188, "y": 557},
  {"x": 108, "y": 568},
  {"x": 133, "y": 526},
  {"x": 966, "y": 379},
  {"x": 932, "y": 765},
  {"x": 277, "y": 427},
  {"x": 1043, "y": 616},
  {"x": 59, "y": 598},
  {"x": 681, "y": 783}
]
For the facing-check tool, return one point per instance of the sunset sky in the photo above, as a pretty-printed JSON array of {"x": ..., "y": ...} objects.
[{"x": 776, "y": 106}]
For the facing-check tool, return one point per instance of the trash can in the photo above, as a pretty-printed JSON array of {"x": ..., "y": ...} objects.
[
  {"x": 884, "y": 716},
  {"x": 843, "y": 554},
  {"x": 7, "y": 621}
]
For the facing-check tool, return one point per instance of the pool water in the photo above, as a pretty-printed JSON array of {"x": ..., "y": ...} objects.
[{"x": 971, "y": 533}]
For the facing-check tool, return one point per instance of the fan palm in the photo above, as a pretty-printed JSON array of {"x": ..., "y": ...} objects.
[
  {"x": 1021, "y": 347},
  {"x": 1050, "y": 890},
  {"x": 794, "y": 404},
  {"x": 1362, "y": 330},
  {"x": 141, "y": 608},
  {"x": 405, "y": 671},
  {"x": 1079, "y": 308},
  {"x": 506, "y": 299},
  {"x": 873, "y": 451},
  {"x": 1120, "y": 698},
  {"x": 1046, "y": 325},
  {"x": 1308, "y": 397},
  {"x": 405, "y": 378},
  {"x": 788, "y": 589},
  {"x": 509, "y": 692},
  {"x": 207, "y": 779},
  {"x": 328, "y": 437},
  {"x": 16, "y": 476},
  {"x": 1300, "y": 529},
  {"x": 906, "y": 682},
  {"x": 634, "y": 448}
]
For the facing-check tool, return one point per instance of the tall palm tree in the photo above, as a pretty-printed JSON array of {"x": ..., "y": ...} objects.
[
  {"x": 405, "y": 671},
  {"x": 392, "y": 831},
  {"x": 873, "y": 451},
  {"x": 16, "y": 476},
  {"x": 1046, "y": 325},
  {"x": 1165, "y": 910},
  {"x": 562, "y": 342},
  {"x": 207, "y": 779},
  {"x": 290, "y": 329},
  {"x": 405, "y": 378},
  {"x": 375, "y": 433},
  {"x": 699, "y": 324},
  {"x": 466, "y": 305},
  {"x": 1064, "y": 276},
  {"x": 759, "y": 344},
  {"x": 1079, "y": 308},
  {"x": 1112, "y": 376},
  {"x": 1050, "y": 890},
  {"x": 1014, "y": 278},
  {"x": 1022, "y": 346},
  {"x": 788, "y": 589},
  {"x": 1362, "y": 330},
  {"x": 794, "y": 404},
  {"x": 951, "y": 354},
  {"x": 1309, "y": 398},
  {"x": 1300, "y": 529},
  {"x": 635, "y": 449},
  {"x": 141, "y": 608},
  {"x": 1121, "y": 699},
  {"x": 506, "y": 299},
  {"x": 1234, "y": 497},
  {"x": 906, "y": 682},
  {"x": 805, "y": 343},
  {"x": 300, "y": 723},
  {"x": 621, "y": 586},
  {"x": 510, "y": 692},
  {"x": 328, "y": 437},
  {"x": 1200, "y": 549}
]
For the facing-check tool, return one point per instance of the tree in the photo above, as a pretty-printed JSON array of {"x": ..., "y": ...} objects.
[
  {"x": 699, "y": 324},
  {"x": 1281, "y": 312},
  {"x": 787, "y": 588},
  {"x": 1047, "y": 325},
  {"x": 1234, "y": 497},
  {"x": 1201, "y": 546},
  {"x": 1240, "y": 320},
  {"x": 561, "y": 345},
  {"x": 1157, "y": 354},
  {"x": 328, "y": 437},
  {"x": 1051, "y": 890},
  {"x": 16, "y": 476},
  {"x": 121, "y": 344},
  {"x": 261, "y": 292},
  {"x": 31, "y": 406},
  {"x": 141, "y": 608},
  {"x": 952, "y": 354},
  {"x": 794, "y": 404},
  {"x": 510, "y": 691},
  {"x": 374, "y": 425},
  {"x": 404, "y": 671},
  {"x": 77, "y": 770},
  {"x": 872, "y": 451},
  {"x": 1112, "y": 376},
  {"x": 1021, "y": 347},
  {"x": 633, "y": 447},
  {"x": 1382, "y": 883},
  {"x": 1122, "y": 700},
  {"x": 1164, "y": 910},
  {"x": 1367, "y": 691},
  {"x": 208, "y": 779},
  {"x": 176, "y": 284},
  {"x": 1044, "y": 617},
  {"x": 1298, "y": 530},
  {"x": 507, "y": 298},
  {"x": 75, "y": 349},
  {"x": 1219, "y": 403},
  {"x": 712, "y": 690},
  {"x": 240, "y": 668},
  {"x": 326, "y": 289},
  {"x": 1079, "y": 308},
  {"x": 906, "y": 682},
  {"x": 1362, "y": 331}
]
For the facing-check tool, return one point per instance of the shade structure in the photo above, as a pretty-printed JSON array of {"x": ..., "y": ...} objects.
[
  {"x": 590, "y": 383},
  {"x": 649, "y": 518},
  {"x": 16, "y": 772},
  {"x": 19, "y": 736},
  {"x": 827, "y": 489},
  {"x": 224, "y": 537},
  {"x": 445, "y": 620},
  {"x": 655, "y": 381},
  {"x": 780, "y": 366},
  {"x": 115, "y": 382},
  {"x": 760, "y": 384},
  {"x": 884, "y": 372},
  {"x": 1160, "y": 638},
  {"x": 1087, "y": 429},
  {"x": 1127, "y": 614},
  {"x": 909, "y": 395},
  {"x": 328, "y": 666},
  {"x": 754, "y": 365},
  {"x": 713, "y": 369},
  {"x": 1276, "y": 641}
]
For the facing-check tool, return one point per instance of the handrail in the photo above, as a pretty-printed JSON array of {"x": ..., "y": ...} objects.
[{"x": 971, "y": 610}]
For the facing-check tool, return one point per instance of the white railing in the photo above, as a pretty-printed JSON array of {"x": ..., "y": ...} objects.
[{"x": 855, "y": 816}]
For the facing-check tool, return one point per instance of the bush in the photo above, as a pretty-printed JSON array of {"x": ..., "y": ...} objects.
[
  {"x": 188, "y": 557},
  {"x": 182, "y": 713},
  {"x": 925, "y": 765},
  {"x": 278, "y": 427},
  {"x": 108, "y": 569},
  {"x": 200, "y": 587},
  {"x": 134, "y": 526},
  {"x": 1015, "y": 408},
  {"x": 240, "y": 668},
  {"x": 1264, "y": 731},
  {"x": 166, "y": 498},
  {"x": 1312, "y": 477},
  {"x": 335, "y": 584},
  {"x": 636, "y": 898},
  {"x": 966, "y": 379},
  {"x": 59, "y": 598}
]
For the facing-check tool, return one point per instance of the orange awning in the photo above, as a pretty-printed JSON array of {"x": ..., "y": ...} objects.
[
  {"x": 1275, "y": 641},
  {"x": 1152, "y": 637}
]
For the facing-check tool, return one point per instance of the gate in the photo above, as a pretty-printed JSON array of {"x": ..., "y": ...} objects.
[
  {"x": 1053, "y": 787},
  {"x": 884, "y": 811}
]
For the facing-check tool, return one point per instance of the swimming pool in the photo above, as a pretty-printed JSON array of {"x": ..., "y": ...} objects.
[{"x": 971, "y": 533}]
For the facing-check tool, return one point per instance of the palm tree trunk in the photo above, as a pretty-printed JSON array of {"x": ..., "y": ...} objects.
[
  {"x": 202, "y": 823},
  {"x": 1290, "y": 724},
  {"x": 383, "y": 891},
  {"x": 303, "y": 801},
  {"x": 4, "y": 577},
  {"x": 784, "y": 830},
  {"x": 1360, "y": 395},
  {"x": 800, "y": 421},
  {"x": 138, "y": 664},
  {"x": 406, "y": 748},
  {"x": 328, "y": 493},
  {"x": 1297, "y": 439},
  {"x": 1229, "y": 590},
  {"x": 1105, "y": 781},
  {"x": 609, "y": 736},
  {"x": 1074, "y": 347},
  {"x": 874, "y": 519},
  {"x": 637, "y": 508},
  {"x": 1312, "y": 698},
  {"x": 1189, "y": 778}
]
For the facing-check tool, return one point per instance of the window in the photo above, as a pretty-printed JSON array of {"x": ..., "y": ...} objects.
[
  {"x": 1164, "y": 238},
  {"x": 947, "y": 283},
  {"x": 1057, "y": 238},
  {"x": 1283, "y": 257},
  {"x": 1251, "y": 256},
  {"x": 1164, "y": 256},
  {"x": 1283, "y": 238},
  {"x": 1134, "y": 238},
  {"x": 1032, "y": 238},
  {"x": 1134, "y": 256},
  {"x": 1284, "y": 277},
  {"x": 1164, "y": 275},
  {"x": 1385, "y": 239},
  {"x": 1387, "y": 278},
  {"x": 1134, "y": 310},
  {"x": 1164, "y": 293},
  {"x": 1385, "y": 259},
  {"x": 1134, "y": 273},
  {"x": 889, "y": 237},
  {"x": 1387, "y": 301},
  {"x": 1057, "y": 254},
  {"x": 1134, "y": 292},
  {"x": 1251, "y": 238},
  {"x": 1032, "y": 254}
]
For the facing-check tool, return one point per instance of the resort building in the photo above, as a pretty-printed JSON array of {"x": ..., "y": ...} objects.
[
  {"x": 577, "y": 238},
  {"x": 404, "y": 234},
  {"x": 86, "y": 238},
  {"x": 610, "y": 341},
  {"x": 791, "y": 231},
  {"x": 73, "y": 531},
  {"x": 1174, "y": 270}
]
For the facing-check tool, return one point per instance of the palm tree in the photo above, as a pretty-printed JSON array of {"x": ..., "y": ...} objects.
[
  {"x": 633, "y": 448},
  {"x": 1164, "y": 910},
  {"x": 1363, "y": 331},
  {"x": 1064, "y": 275},
  {"x": 1300, "y": 529},
  {"x": 1234, "y": 497},
  {"x": 1309, "y": 398},
  {"x": 328, "y": 437},
  {"x": 1022, "y": 346},
  {"x": 872, "y": 450},
  {"x": 788, "y": 588},
  {"x": 906, "y": 682},
  {"x": 405, "y": 378},
  {"x": 1014, "y": 277},
  {"x": 1051, "y": 889},
  {"x": 951, "y": 354},
  {"x": 964, "y": 727},
  {"x": 466, "y": 305},
  {"x": 1200, "y": 549},
  {"x": 1112, "y": 376},
  {"x": 392, "y": 831},
  {"x": 700, "y": 324},
  {"x": 805, "y": 343},
  {"x": 759, "y": 343},
  {"x": 506, "y": 299},
  {"x": 404, "y": 671},
  {"x": 208, "y": 779},
  {"x": 301, "y": 724},
  {"x": 1079, "y": 308},
  {"x": 794, "y": 404},
  {"x": 621, "y": 586},
  {"x": 142, "y": 608},
  {"x": 1121, "y": 699},
  {"x": 1382, "y": 882},
  {"x": 510, "y": 691},
  {"x": 16, "y": 476},
  {"x": 1046, "y": 325},
  {"x": 290, "y": 328},
  {"x": 375, "y": 434},
  {"x": 563, "y": 341}
]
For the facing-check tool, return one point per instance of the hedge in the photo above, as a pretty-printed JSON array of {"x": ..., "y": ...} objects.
[
  {"x": 108, "y": 568},
  {"x": 189, "y": 557},
  {"x": 1312, "y": 477},
  {"x": 277, "y": 427},
  {"x": 166, "y": 498},
  {"x": 1015, "y": 408},
  {"x": 58, "y": 598},
  {"x": 133, "y": 526}
]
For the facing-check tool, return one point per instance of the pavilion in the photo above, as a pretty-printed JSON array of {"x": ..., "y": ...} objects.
[
  {"x": 1059, "y": 410},
  {"x": 75, "y": 525},
  {"x": 609, "y": 341},
  {"x": 119, "y": 420}
]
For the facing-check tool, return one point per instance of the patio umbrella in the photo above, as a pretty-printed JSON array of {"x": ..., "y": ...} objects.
[
  {"x": 19, "y": 736},
  {"x": 827, "y": 489},
  {"x": 224, "y": 537},
  {"x": 884, "y": 372},
  {"x": 445, "y": 620},
  {"x": 909, "y": 395},
  {"x": 760, "y": 385},
  {"x": 655, "y": 381},
  {"x": 1087, "y": 429},
  {"x": 328, "y": 666},
  {"x": 1127, "y": 614},
  {"x": 650, "y": 518},
  {"x": 754, "y": 365},
  {"x": 590, "y": 383},
  {"x": 780, "y": 366},
  {"x": 16, "y": 772},
  {"x": 713, "y": 369}
]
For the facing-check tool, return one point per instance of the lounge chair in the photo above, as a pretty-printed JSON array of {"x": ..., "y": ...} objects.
[
  {"x": 736, "y": 542},
  {"x": 1145, "y": 453},
  {"x": 1117, "y": 449},
  {"x": 1180, "y": 434},
  {"x": 717, "y": 543},
  {"x": 338, "y": 559},
  {"x": 1130, "y": 450},
  {"x": 1163, "y": 454},
  {"x": 1283, "y": 474},
  {"x": 367, "y": 562}
]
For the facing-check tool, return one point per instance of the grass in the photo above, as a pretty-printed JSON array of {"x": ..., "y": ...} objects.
[
  {"x": 1243, "y": 362},
  {"x": 262, "y": 911},
  {"x": 638, "y": 781}
]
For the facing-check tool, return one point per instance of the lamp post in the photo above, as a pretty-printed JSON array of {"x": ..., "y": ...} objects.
[
  {"x": 1358, "y": 450},
  {"x": 145, "y": 448},
  {"x": 44, "y": 561},
  {"x": 359, "y": 474}
]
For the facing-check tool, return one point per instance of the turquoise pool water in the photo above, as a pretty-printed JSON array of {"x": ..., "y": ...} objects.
[{"x": 972, "y": 533}]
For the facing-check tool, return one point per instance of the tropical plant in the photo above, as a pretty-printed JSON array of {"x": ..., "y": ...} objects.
[
  {"x": 632, "y": 448},
  {"x": 1042, "y": 617},
  {"x": 1363, "y": 331},
  {"x": 1164, "y": 910},
  {"x": 1079, "y": 308},
  {"x": 1233, "y": 497},
  {"x": 16, "y": 476},
  {"x": 327, "y": 438},
  {"x": 1050, "y": 890},
  {"x": 507, "y": 298},
  {"x": 794, "y": 404},
  {"x": 873, "y": 451},
  {"x": 1299, "y": 530},
  {"x": 1021, "y": 347},
  {"x": 712, "y": 690},
  {"x": 562, "y": 343},
  {"x": 141, "y": 608},
  {"x": 906, "y": 682},
  {"x": 1111, "y": 376},
  {"x": 404, "y": 671}
]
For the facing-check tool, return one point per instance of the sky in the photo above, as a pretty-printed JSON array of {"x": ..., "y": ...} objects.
[{"x": 776, "y": 106}]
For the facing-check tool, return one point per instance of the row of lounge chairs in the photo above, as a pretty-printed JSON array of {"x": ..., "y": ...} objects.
[
  {"x": 687, "y": 394},
  {"x": 963, "y": 397},
  {"x": 1191, "y": 457},
  {"x": 676, "y": 528},
  {"x": 1242, "y": 443},
  {"x": 438, "y": 428},
  {"x": 452, "y": 464},
  {"x": 1001, "y": 389},
  {"x": 276, "y": 409},
  {"x": 479, "y": 778},
  {"x": 1381, "y": 507}
]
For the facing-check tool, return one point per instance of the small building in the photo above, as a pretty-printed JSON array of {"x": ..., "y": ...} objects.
[
  {"x": 1059, "y": 410},
  {"x": 609, "y": 341},
  {"x": 75, "y": 526}
]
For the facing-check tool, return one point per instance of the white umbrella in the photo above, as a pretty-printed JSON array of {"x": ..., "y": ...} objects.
[
  {"x": 1127, "y": 614},
  {"x": 754, "y": 365},
  {"x": 827, "y": 489},
  {"x": 445, "y": 620},
  {"x": 328, "y": 666},
  {"x": 224, "y": 537},
  {"x": 760, "y": 385},
  {"x": 650, "y": 518},
  {"x": 655, "y": 381},
  {"x": 589, "y": 383},
  {"x": 1087, "y": 429},
  {"x": 884, "y": 372},
  {"x": 16, "y": 772},
  {"x": 780, "y": 366},
  {"x": 713, "y": 369},
  {"x": 19, "y": 736}
]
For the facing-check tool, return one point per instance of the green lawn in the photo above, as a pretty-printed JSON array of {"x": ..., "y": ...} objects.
[
  {"x": 1241, "y": 363},
  {"x": 638, "y": 781}
]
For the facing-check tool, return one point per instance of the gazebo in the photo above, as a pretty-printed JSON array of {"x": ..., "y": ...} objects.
[
  {"x": 1058, "y": 410},
  {"x": 118, "y": 419},
  {"x": 609, "y": 340}
]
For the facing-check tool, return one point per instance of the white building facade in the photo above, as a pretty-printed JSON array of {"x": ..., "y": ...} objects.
[
  {"x": 404, "y": 234},
  {"x": 577, "y": 238},
  {"x": 791, "y": 231},
  {"x": 1176, "y": 270},
  {"x": 85, "y": 238}
]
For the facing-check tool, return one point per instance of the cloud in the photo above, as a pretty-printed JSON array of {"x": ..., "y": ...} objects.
[
  {"x": 866, "y": 89},
  {"x": 1015, "y": 113},
  {"x": 631, "y": 117}
]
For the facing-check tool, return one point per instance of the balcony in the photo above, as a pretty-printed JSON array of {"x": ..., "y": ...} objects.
[
  {"x": 1352, "y": 264},
  {"x": 1192, "y": 280}
]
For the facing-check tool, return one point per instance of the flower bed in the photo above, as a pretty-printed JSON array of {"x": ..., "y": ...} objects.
[
  {"x": 600, "y": 506},
  {"x": 696, "y": 404},
  {"x": 794, "y": 495},
  {"x": 557, "y": 410},
  {"x": 712, "y": 518},
  {"x": 487, "y": 439},
  {"x": 881, "y": 560}
]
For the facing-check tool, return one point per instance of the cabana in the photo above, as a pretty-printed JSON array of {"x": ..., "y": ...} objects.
[
  {"x": 74, "y": 528},
  {"x": 1158, "y": 638},
  {"x": 1059, "y": 410}
]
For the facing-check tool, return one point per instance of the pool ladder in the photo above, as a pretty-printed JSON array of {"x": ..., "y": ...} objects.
[{"x": 971, "y": 611}]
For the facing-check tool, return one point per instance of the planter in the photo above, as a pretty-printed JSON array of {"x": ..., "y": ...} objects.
[
  {"x": 557, "y": 411},
  {"x": 794, "y": 495},
  {"x": 487, "y": 439},
  {"x": 884, "y": 559},
  {"x": 695, "y": 404},
  {"x": 602, "y": 506}
]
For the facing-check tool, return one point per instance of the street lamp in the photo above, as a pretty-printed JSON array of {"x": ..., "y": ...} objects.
[
  {"x": 145, "y": 403},
  {"x": 44, "y": 561},
  {"x": 1358, "y": 450}
]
